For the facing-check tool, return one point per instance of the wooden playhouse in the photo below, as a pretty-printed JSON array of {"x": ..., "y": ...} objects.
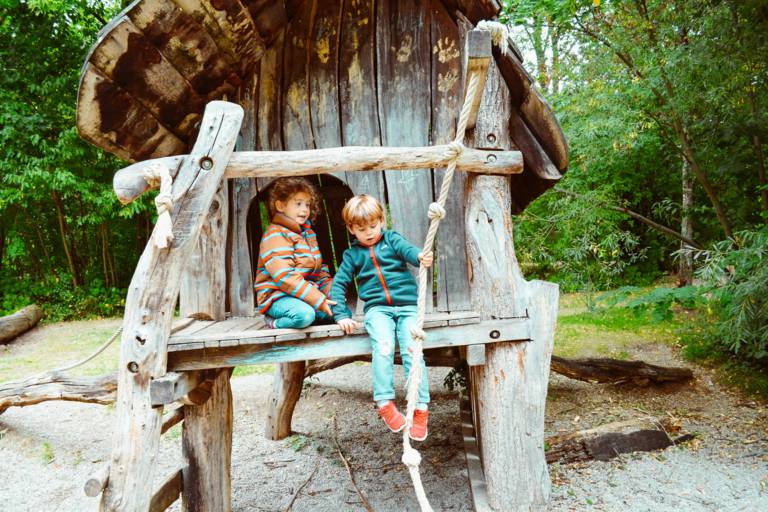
[{"x": 363, "y": 97}]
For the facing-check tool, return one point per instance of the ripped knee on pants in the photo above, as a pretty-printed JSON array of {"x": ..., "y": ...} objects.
[{"x": 385, "y": 346}]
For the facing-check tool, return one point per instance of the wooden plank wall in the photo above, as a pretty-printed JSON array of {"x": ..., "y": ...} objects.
[{"x": 367, "y": 72}]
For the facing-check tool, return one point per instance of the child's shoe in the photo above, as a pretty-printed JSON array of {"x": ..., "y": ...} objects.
[
  {"x": 419, "y": 430},
  {"x": 392, "y": 417}
]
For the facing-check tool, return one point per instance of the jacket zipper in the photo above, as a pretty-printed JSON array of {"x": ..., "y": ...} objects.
[{"x": 381, "y": 277}]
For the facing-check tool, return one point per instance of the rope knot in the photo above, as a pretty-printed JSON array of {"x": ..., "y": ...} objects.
[
  {"x": 157, "y": 175},
  {"x": 454, "y": 149},
  {"x": 418, "y": 334},
  {"x": 411, "y": 458},
  {"x": 436, "y": 211},
  {"x": 499, "y": 33}
]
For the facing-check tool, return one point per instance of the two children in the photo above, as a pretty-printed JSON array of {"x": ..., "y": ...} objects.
[{"x": 294, "y": 289}]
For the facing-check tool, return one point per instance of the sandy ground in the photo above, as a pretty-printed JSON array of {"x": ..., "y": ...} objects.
[{"x": 47, "y": 451}]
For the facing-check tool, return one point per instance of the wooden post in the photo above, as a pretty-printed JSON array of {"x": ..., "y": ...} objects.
[
  {"x": 207, "y": 447},
  {"x": 286, "y": 390},
  {"x": 149, "y": 312},
  {"x": 509, "y": 391}
]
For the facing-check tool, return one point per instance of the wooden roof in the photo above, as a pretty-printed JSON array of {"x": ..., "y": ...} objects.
[{"x": 146, "y": 80}]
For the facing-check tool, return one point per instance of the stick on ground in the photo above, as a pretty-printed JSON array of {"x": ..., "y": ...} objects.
[{"x": 349, "y": 469}]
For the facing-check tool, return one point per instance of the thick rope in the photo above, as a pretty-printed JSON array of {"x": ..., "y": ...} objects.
[
  {"x": 411, "y": 457},
  {"x": 155, "y": 175}
]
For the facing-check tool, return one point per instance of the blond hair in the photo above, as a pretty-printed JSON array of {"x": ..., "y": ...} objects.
[{"x": 362, "y": 209}]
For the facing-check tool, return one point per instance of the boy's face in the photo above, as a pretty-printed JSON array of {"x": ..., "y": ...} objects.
[
  {"x": 367, "y": 233},
  {"x": 297, "y": 207}
]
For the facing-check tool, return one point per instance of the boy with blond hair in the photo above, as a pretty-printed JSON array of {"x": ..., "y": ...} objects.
[{"x": 377, "y": 260}]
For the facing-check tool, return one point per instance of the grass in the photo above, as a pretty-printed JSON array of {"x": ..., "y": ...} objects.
[{"x": 606, "y": 332}]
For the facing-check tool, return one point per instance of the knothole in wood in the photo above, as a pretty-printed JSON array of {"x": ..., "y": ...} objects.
[
  {"x": 133, "y": 367},
  {"x": 141, "y": 339},
  {"x": 206, "y": 163}
]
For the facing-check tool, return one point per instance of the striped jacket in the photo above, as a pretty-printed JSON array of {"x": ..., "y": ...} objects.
[{"x": 290, "y": 265}]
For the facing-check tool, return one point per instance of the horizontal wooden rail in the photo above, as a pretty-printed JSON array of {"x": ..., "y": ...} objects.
[
  {"x": 129, "y": 182},
  {"x": 172, "y": 386}
]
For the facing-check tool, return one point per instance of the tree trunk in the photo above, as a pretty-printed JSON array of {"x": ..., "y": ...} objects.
[
  {"x": 19, "y": 322},
  {"x": 63, "y": 231},
  {"x": 685, "y": 273},
  {"x": 286, "y": 390}
]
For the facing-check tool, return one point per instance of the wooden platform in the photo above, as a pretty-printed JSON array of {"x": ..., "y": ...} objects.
[{"x": 242, "y": 340}]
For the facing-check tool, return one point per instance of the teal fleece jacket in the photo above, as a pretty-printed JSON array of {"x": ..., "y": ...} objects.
[{"x": 381, "y": 272}]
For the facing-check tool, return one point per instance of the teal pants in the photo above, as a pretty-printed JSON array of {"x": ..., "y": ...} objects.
[
  {"x": 293, "y": 313},
  {"x": 384, "y": 324}
]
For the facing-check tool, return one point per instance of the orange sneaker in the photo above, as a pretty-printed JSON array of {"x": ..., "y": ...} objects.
[
  {"x": 392, "y": 417},
  {"x": 419, "y": 430}
]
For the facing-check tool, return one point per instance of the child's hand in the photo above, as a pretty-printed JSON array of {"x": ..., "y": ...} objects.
[
  {"x": 348, "y": 325},
  {"x": 325, "y": 307},
  {"x": 426, "y": 258}
]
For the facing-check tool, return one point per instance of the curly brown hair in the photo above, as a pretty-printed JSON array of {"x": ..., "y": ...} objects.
[{"x": 283, "y": 189}]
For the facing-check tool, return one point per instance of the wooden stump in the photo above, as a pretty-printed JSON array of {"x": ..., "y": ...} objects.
[
  {"x": 286, "y": 391},
  {"x": 19, "y": 322}
]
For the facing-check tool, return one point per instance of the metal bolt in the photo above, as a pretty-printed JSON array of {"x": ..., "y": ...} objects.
[
  {"x": 206, "y": 163},
  {"x": 133, "y": 367},
  {"x": 491, "y": 137},
  {"x": 490, "y": 158},
  {"x": 495, "y": 334}
]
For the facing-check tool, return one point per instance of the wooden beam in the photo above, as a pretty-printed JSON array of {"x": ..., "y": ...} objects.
[
  {"x": 149, "y": 312},
  {"x": 175, "y": 417},
  {"x": 167, "y": 493},
  {"x": 269, "y": 350},
  {"x": 129, "y": 183},
  {"x": 172, "y": 386},
  {"x": 97, "y": 481},
  {"x": 479, "y": 55}
]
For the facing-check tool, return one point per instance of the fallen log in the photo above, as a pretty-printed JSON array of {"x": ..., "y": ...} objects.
[
  {"x": 19, "y": 322},
  {"x": 616, "y": 371},
  {"x": 612, "y": 439},
  {"x": 58, "y": 386}
]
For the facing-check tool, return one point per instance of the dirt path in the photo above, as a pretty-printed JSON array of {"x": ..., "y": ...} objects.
[{"x": 47, "y": 451}]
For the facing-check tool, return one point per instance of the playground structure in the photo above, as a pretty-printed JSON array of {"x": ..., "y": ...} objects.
[{"x": 363, "y": 97}]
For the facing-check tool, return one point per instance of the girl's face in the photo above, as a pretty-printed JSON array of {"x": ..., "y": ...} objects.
[
  {"x": 298, "y": 207},
  {"x": 369, "y": 233}
]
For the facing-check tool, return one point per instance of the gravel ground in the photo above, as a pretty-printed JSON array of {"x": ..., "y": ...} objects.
[{"x": 47, "y": 451}]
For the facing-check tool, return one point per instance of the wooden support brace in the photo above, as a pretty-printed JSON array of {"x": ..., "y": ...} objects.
[
  {"x": 167, "y": 493},
  {"x": 172, "y": 386},
  {"x": 129, "y": 182},
  {"x": 96, "y": 482},
  {"x": 176, "y": 416},
  {"x": 479, "y": 55}
]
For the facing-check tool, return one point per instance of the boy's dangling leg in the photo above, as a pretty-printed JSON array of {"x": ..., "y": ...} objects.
[
  {"x": 406, "y": 318},
  {"x": 381, "y": 328}
]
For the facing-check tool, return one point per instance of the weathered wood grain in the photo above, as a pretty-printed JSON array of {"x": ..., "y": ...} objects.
[
  {"x": 268, "y": 16},
  {"x": 242, "y": 191},
  {"x": 129, "y": 182},
  {"x": 187, "y": 46},
  {"x": 172, "y": 386},
  {"x": 403, "y": 58},
  {"x": 357, "y": 89},
  {"x": 109, "y": 117},
  {"x": 204, "y": 279},
  {"x": 132, "y": 62},
  {"x": 57, "y": 386},
  {"x": 207, "y": 448},
  {"x": 478, "y": 58},
  {"x": 262, "y": 351},
  {"x": 286, "y": 390},
  {"x": 96, "y": 482},
  {"x": 296, "y": 125},
  {"x": 269, "y": 131},
  {"x": 451, "y": 257},
  {"x": 149, "y": 314}
]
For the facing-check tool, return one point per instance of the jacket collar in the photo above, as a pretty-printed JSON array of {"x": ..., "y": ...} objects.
[{"x": 285, "y": 221}]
